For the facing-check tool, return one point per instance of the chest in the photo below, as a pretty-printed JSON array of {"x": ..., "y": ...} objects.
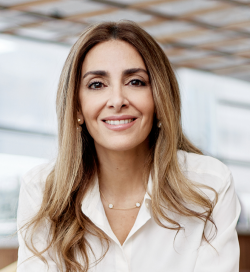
[
  {"x": 121, "y": 221},
  {"x": 152, "y": 248}
]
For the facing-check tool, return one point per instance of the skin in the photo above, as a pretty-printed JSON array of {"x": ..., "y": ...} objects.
[{"x": 122, "y": 153}]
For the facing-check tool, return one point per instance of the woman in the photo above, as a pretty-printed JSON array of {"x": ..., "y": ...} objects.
[{"x": 128, "y": 191}]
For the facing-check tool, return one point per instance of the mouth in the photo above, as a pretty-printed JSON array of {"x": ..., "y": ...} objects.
[{"x": 119, "y": 122}]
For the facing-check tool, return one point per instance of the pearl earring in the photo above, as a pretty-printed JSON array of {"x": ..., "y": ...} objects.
[
  {"x": 159, "y": 124},
  {"x": 79, "y": 128}
]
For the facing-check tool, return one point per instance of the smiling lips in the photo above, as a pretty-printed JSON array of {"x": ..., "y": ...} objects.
[{"x": 119, "y": 122}]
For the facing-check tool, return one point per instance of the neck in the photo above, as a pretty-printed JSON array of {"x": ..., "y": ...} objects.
[{"x": 121, "y": 173}]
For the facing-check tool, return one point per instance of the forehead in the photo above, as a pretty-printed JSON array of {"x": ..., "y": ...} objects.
[{"x": 113, "y": 55}]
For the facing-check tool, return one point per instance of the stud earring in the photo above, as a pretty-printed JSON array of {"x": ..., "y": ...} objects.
[
  {"x": 159, "y": 124},
  {"x": 79, "y": 128}
]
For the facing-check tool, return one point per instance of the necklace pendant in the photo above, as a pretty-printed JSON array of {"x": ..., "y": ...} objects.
[
  {"x": 111, "y": 206},
  {"x": 137, "y": 204}
]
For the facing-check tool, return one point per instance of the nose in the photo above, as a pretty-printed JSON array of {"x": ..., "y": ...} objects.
[{"x": 117, "y": 98}]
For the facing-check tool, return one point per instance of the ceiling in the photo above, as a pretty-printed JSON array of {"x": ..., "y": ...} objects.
[{"x": 207, "y": 35}]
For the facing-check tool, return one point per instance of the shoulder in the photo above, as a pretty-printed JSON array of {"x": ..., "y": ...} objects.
[
  {"x": 205, "y": 170},
  {"x": 33, "y": 183},
  {"x": 202, "y": 164},
  {"x": 31, "y": 192},
  {"x": 37, "y": 176}
]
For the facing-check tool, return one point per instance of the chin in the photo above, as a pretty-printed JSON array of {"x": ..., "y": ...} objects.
[
  {"x": 121, "y": 147},
  {"x": 122, "y": 144}
]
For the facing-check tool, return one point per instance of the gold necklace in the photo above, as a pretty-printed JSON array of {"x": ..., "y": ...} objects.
[{"x": 111, "y": 206}]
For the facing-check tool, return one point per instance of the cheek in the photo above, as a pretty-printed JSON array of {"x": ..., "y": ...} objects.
[
  {"x": 89, "y": 116},
  {"x": 147, "y": 105},
  {"x": 91, "y": 107}
]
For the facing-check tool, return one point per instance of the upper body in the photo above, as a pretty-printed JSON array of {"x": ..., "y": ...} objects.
[
  {"x": 149, "y": 247},
  {"x": 128, "y": 190}
]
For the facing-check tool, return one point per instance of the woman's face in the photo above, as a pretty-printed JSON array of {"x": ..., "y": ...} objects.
[{"x": 115, "y": 97}]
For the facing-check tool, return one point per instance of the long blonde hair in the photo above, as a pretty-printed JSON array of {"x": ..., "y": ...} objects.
[{"x": 77, "y": 162}]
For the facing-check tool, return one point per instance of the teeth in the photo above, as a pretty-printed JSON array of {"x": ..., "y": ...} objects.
[{"x": 118, "y": 122}]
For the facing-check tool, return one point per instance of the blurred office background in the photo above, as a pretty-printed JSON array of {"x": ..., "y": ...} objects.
[{"x": 207, "y": 42}]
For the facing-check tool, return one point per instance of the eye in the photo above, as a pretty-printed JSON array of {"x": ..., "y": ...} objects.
[
  {"x": 137, "y": 82},
  {"x": 95, "y": 85}
]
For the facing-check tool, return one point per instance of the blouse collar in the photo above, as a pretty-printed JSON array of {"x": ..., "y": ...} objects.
[{"x": 92, "y": 207}]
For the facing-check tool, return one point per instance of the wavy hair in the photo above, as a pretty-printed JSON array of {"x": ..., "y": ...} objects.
[{"x": 77, "y": 163}]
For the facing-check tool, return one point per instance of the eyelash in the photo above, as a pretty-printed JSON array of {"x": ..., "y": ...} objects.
[{"x": 137, "y": 80}]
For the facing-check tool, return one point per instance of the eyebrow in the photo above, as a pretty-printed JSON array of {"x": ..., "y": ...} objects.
[{"x": 124, "y": 73}]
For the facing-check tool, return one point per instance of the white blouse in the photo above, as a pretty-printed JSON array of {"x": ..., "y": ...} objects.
[{"x": 148, "y": 247}]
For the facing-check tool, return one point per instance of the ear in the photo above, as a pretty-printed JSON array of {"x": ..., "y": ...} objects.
[{"x": 80, "y": 117}]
